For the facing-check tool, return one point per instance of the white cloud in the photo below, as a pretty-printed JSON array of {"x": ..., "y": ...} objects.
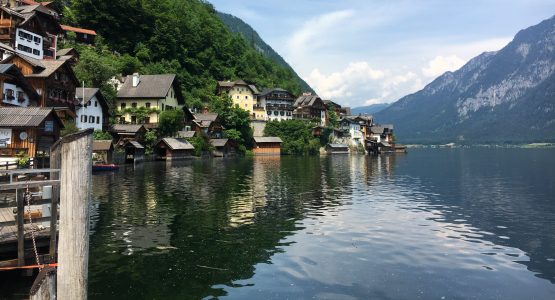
[
  {"x": 441, "y": 64},
  {"x": 358, "y": 80}
]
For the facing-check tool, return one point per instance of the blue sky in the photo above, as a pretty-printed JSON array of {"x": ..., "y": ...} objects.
[{"x": 359, "y": 52}]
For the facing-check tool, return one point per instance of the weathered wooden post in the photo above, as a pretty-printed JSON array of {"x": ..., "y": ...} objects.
[{"x": 75, "y": 191}]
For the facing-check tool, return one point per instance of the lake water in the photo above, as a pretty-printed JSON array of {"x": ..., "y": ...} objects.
[{"x": 431, "y": 224}]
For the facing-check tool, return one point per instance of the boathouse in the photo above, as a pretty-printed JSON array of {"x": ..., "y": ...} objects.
[
  {"x": 28, "y": 131},
  {"x": 222, "y": 147},
  {"x": 172, "y": 148},
  {"x": 122, "y": 133},
  {"x": 134, "y": 152},
  {"x": 267, "y": 145},
  {"x": 337, "y": 149},
  {"x": 103, "y": 151}
]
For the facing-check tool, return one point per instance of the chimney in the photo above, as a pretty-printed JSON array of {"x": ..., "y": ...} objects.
[
  {"x": 136, "y": 79},
  {"x": 307, "y": 94}
]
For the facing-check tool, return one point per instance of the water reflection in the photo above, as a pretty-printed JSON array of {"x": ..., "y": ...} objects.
[{"x": 428, "y": 224}]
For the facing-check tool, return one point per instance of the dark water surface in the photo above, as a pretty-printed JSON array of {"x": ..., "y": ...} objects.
[{"x": 432, "y": 224}]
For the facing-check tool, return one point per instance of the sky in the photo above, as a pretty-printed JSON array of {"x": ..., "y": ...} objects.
[{"x": 362, "y": 52}]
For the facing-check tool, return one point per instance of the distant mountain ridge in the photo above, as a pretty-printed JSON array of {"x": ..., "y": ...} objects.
[
  {"x": 503, "y": 96},
  {"x": 237, "y": 25},
  {"x": 370, "y": 109}
]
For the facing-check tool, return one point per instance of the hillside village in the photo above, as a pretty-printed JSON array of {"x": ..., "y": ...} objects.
[{"x": 42, "y": 99}]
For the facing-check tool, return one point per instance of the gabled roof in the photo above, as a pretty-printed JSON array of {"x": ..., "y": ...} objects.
[
  {"x": 219, "y": 142},
  {"x": 267, "y": 139},
  {"x": 26, "y": 116},
  {"x": 150, "y": 86},
  {"x": 127, "y": 128},
  {"x": 89, "y": 94},
  {"x": 186, "y": 134},
  {"x": 206, "y": 117},
  {"x": 134, "y": 144},
  {"x": 230, "y": 84},
  {"x": 177, "y": 144},
  {"x": 79, "y": 30},
  {"x": 66, "y": 51},
  {"x": 376, "y": 129},
  {"x": 102, "y": 145},
  {"x": 269, "y": 91},
  {"x": 42, "y": 68},
  {"x": 307, "y": 100}
]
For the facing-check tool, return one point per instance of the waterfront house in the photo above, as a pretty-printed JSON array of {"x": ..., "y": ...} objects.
[
  {"x": 29, "y": 131},
  {"x": 53, "y": 80},
  {"x": 352, "y": 128},
  {"x": 277, "y": 103},
  {"x": 134, "y": 151},
  {"x": 376, "y": 133},
  {"x": 310, "y": 107},
  {"x": 208, "y": 123},
  {"x": 121, "y": 133},
  {"x": 31, "y": 30},
  {"x": 222, "y": 147},
  {"x": 242, "y": 94},
  {"x": 173, "y": 148},
  {"x": 337, "y": 149},
  {"x": 103, "y": 151},
  {"x": 82, "y": 35},
  {"x": 16, "y": 90},
  {"x": 92, "y": 111},
  {"x": 267, "y": 145},
  {"x": 141, "y": 97}
]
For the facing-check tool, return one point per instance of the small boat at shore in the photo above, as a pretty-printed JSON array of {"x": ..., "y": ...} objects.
[{"x": 104, "y": 167}]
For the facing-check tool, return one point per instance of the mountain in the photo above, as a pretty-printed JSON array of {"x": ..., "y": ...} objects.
[
  {"x": 369, "y": 110},
  {"x": 237, "y": 25},
  {"x": 503, "y": 96}
]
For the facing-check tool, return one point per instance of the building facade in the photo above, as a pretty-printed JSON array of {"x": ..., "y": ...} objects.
[
  {"x": 142, "y": 97},
  {"x": 242, "y": 94},
  {"x": 277, "y": 104},
  {"x": 92, "y": 111}
]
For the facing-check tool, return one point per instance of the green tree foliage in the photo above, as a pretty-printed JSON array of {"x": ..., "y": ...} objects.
[
  {"x": 101, "y": 135},
  {"x": 69, "y": 128},
  {"x": 201, "y": 144},
  {"x": 150, "y": 139},
  {"x": 296, "y": 135},
  {"x": 235, "y": 119},
  {"x": 170, "y": 122}
]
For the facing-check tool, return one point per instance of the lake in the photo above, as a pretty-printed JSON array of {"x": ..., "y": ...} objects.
[{"x": 430, "y": 224}]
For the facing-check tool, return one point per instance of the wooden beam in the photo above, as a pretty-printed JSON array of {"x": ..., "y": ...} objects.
[
  {"x": 30, "y": 184},
  {"x": 20, "y": 229}
]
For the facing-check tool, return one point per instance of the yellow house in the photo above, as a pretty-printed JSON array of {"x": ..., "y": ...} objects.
[
  {"x": 242, "y": 94},
  {"x": 142, "y": 97}
]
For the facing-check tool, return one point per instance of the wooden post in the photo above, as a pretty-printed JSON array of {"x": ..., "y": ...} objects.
[
  {"x": 20, "y": 229},
  {"x": 55, "y": 163},
  {"x": 75, "y": 191}
]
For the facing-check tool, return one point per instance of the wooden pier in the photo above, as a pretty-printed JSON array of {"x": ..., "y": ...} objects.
[{"x": 31, "y": 233}]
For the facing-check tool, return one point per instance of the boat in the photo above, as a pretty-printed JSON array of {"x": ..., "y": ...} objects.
[{"x": 104, "y": 167}]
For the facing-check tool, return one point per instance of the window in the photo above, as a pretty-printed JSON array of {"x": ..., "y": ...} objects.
[
  {"x": 95, "y": 103},
  {"x": 83, "y": 118},
  {"x": 134, "y": 104},
  {"x": 9, "y": 94},
  {"x": 282, "y": 113},
  {"x": 247, "y": 97},
  {"x": 289, "y": 113},
  {"x": 36, "y": 52},
  {"x": 36, "y": 39},
  {"x": 269, "y": 112},
  {"x": 133, "y": 119},
  {"x": 91, "y": 119},
  {"x": 147, "y": 105},
  {"x": 49, "y": 126},
  {"x": 97, "y": 120},
  {"x": 275, "y": 112},
  {"x": 245, "y": 104},
  {"x": 123, "y": 106},
  {"x": 147, "y": 120},
  {"x": 20, "y": 96},
  {"x": 237, "y": 96}
]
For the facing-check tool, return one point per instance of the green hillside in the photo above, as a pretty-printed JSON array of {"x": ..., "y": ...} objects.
[
  {"x": 239, "y": 26},
  {"x": 185, "y": 37}
]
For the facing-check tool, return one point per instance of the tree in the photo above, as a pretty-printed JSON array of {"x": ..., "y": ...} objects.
[
  {"x": 101, "y": 135},
  {"x": 296, "y": 136},
  {"x": 170, "y": 122}
]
